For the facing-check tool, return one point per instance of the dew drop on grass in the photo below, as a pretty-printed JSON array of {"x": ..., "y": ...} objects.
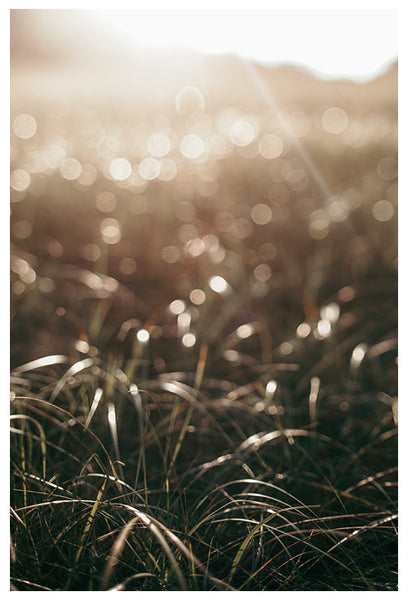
[
  {"x": 197, "y": 296},
  {"x": 358, "y": 355},
  {"x": 330, "y": 312},
  {"x": 46, "y": 285},
  {"x": 188, "y": 340},
  {"x": 218, "y": 284},
  {"x": 82, "y": 346},
  {"x": 177, "y": 307},
  {"x": 143, "y": 336},
  {"x": 271, "y": 388},
  {"x": 346, "y": 294},
  {"x": 286, "y": 348},
  {"x": 303, "y": 330},
  {"x": 323, "y": 329},
  {"x": 245, "y": 331}
]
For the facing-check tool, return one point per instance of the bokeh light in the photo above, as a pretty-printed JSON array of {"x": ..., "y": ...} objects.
[
  {"x": 191, "y": 146},
  {"x": 105, "y": 202},
  {"x": 358, "y": 355},
  {"x": 188, "y": 340},
  {"x": 70, "y": 169},
  {"x": 261, "y": 214},
  {"x": 387, "y": 168},
  {"x": 149, "y": 168},
  {"x": 168, "y": 169},
  {"x": 20, "y": 180},
  {"x": 197, "y": 296},
  {"x": 92, "y": 252},
  {"x": 242, "y": 132},
  {"x": 111, "y": 231},
  {"x": 189, "y": 99},
  {"x": 303, "y": 330},
  {"x": 25, "y": 126},
  {"x": 159, "y": 145},
  {"x": 383, "y": 211},
  {"x": 120, "y": 168},
  {"x": 335, "y": 120},
  {"x": 270, "y": 146},
  {"x": 245, "y": 331},
  {"x": 177, "y": 307},
  {"x": 218, "y": 284},
  {"x": 171, "y": 254},
  {"x": 143, "y": 336}
]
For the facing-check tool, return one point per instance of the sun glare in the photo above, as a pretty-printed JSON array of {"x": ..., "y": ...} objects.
[{"x": 268, "y": 35}]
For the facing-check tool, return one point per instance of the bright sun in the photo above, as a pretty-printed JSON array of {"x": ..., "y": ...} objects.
[{"x": 334, "y": 43}]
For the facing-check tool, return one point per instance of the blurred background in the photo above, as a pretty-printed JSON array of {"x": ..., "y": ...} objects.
[{"x": 189, "y": 173}]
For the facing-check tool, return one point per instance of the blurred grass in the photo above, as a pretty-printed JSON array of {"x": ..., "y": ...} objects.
[{"x": 259, "y": 453}]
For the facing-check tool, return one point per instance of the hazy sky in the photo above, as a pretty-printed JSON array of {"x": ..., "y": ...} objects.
[{"x": 355, "y": 43}]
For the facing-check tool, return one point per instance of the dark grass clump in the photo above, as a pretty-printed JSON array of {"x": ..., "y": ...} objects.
[{"x": 282, "y": 477}]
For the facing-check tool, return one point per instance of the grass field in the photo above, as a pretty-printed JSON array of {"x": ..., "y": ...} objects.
[{"x": 204, "y": 341}]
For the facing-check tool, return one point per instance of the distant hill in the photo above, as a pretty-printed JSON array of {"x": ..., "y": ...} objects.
[{"x": 57, "y": 51}]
